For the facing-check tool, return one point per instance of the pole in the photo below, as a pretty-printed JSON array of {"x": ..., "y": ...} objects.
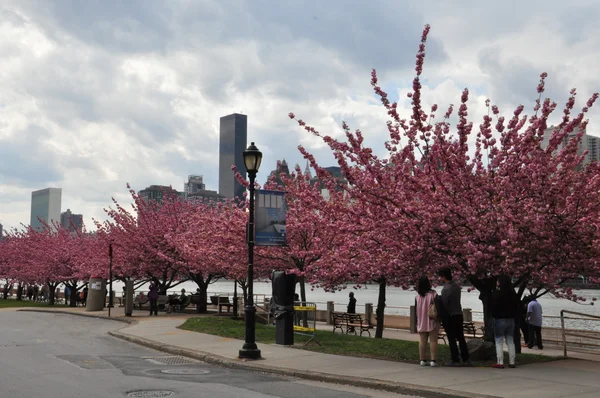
[
  {"x": 235, "y": 300},
  {"x": 249, "y": 349},
  {"x": 564, "y": 337},
  {"x": 110, "y": 278}
]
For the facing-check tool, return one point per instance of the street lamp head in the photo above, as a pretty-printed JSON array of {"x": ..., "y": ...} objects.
[{"x": 252, "y": 158}]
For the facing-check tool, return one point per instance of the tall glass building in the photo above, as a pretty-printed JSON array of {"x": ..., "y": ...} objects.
[
  {"x": 45, "y": 205},
  {"x": 232, "y": 143}
]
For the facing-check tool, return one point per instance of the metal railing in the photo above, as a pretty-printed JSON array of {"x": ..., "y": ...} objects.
[{"x": 586, "y": 341}]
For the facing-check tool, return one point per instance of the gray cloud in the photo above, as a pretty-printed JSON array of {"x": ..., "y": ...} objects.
[{"x": 95, "y": 94}]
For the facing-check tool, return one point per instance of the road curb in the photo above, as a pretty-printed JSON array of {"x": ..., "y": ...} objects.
[
  {"x": 375, "y": 384},
  {"x": 399, "y": 388}
]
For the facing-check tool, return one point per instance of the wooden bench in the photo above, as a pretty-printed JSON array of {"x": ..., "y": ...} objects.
[
  {"x": 351, "y": 322},
  {"x": 338, "y": 319},
  {"x": 139, "y": 301},
  {"x": 183, "y": 304},
  {"x": 468, "y": 328},
  {"x": 224, "y": 302}
]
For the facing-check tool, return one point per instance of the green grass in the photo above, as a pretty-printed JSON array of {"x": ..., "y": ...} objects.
[
  {"x": 10, "y": 303},
  {"x": 339, "y": 344}
]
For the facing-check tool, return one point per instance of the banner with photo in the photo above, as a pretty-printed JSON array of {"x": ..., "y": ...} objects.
[{"x": 270, "y": 216}]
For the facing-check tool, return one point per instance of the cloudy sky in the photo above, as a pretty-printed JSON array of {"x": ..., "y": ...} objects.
[{"x": 95, "y": 94}]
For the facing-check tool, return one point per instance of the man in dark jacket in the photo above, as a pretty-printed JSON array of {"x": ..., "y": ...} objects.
[{"x": 453, "y": 320}]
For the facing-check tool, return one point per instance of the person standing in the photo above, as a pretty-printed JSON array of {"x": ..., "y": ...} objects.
[
  {"x": 453, "y": 321},
  {"x": 505, "y": 308},
  {"x": 534, "y": 320},
  {"x": 351, "y": 304},
  {"x": 153, "y": 297},
  {"x": 523, "y": 321},
  {"x": 426, "y": 327}
]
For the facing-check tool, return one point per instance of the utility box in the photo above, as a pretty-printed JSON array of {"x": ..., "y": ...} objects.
[
  {"x": 96, "y": 294},
  {"x": 128, "y": 298},
  {"x": 284, "y": 289}
]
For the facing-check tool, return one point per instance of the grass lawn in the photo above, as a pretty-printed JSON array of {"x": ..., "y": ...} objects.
[
  {"x": 10, "y": 303},
  {"x": 340, "y": 344}
]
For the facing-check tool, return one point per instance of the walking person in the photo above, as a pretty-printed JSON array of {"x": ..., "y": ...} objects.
[
  {"x": 153, "y": 297},
  {"x": 534, "y": 320},
  {"x": 351, "y": 304},
  {"x": 426, "y": 327},
  {"x": 505, "y": 308},
  {"x": 453, "y": 320}
]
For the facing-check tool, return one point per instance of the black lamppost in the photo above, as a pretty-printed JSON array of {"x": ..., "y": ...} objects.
[
  {"x": 252, "y": 159},
  {"x": 110, "y": 294}
]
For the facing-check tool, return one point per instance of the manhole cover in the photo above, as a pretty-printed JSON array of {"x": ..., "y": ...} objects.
[
  {"x": 185, "y": 372},
  {"x": 150, "y": 394},
  {"x": 171, "y": 360}
]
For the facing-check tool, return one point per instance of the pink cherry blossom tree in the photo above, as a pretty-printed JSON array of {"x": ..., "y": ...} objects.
[{"x": 494, "y": 201}]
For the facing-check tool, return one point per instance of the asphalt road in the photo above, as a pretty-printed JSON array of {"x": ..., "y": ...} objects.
[{"x": 65, "y": 356}]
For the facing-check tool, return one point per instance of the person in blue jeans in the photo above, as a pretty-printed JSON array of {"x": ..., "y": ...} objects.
[{"x": 505, "y": 309}]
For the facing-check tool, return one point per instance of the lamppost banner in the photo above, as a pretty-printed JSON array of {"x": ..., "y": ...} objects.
[{"x": 270, "y": 215}]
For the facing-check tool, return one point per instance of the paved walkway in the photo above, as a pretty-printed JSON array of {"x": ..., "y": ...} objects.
[{"x": 564, "y": 378}]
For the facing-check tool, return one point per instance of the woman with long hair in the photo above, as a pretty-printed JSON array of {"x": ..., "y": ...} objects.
[
  {"x": 505, "y": 308},
  {"x": 428, "y": 328}
]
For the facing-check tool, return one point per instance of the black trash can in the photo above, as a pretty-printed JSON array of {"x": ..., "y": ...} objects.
[{"x": 284, "y": 289}]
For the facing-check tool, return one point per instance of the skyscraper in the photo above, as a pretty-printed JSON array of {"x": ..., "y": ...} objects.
[
  {"x": 70, "y": 221},
  {"x": 232, "y": 143},
  {"x": 194, "y": 184},
  {"x": 45, "y": 205},
  {"x": 588, "y": 143}
]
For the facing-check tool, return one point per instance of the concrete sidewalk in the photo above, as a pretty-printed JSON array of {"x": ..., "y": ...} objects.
[{"x": 572, "y": 378}]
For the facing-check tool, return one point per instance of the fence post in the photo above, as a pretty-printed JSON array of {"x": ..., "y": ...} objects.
[
  {"x": 564, "y": 337},
  {"x": 413, "y": 319},
  {"x": 330, "y": 309},
  {"x": 467, "y": 315},
  {"x": 369, "y": 313}
]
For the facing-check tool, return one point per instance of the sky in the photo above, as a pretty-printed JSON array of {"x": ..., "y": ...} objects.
[{"x": 97, "y": 94}]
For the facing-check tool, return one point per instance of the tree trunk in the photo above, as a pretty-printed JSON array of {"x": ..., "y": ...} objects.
[
  {"x": 73, "y": 296},
  {"x": 51, "y": 292},
  {"x": 380, "y": 308},
  {"x": 485, "y": 287},
  {"x": 7, "y": 288},
  {"x": 201, "y": 308},
  {"x": 20, "y": 292},
  {"x": 302, "y": 290},
  {"x": 244, "y": 286}
]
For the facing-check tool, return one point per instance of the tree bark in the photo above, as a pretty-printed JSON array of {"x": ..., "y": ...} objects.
[
  {"x": 201, "y": 307},
  {"x": 51, "y": 293},
  {"x": 380, "y": 308},
  {"x": 73, "y": 296},
  {"x": 485, "y": 286},
  {"x": 7, "y": 288},
  {"x": 20, "y": 292}
]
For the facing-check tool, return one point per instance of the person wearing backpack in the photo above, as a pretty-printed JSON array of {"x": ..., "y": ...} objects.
[{"x": 428, "y": 326}]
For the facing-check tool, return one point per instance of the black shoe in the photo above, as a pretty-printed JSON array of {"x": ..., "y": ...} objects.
[
  {"x": 541, "y": 348},
  {"x": 467, "y": 364},
  {"x": 453, "y": 364},
  {"x": 530, "y": 347}
]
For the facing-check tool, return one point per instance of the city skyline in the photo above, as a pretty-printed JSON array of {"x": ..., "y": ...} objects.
[{"x": 99, "y": 96}]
